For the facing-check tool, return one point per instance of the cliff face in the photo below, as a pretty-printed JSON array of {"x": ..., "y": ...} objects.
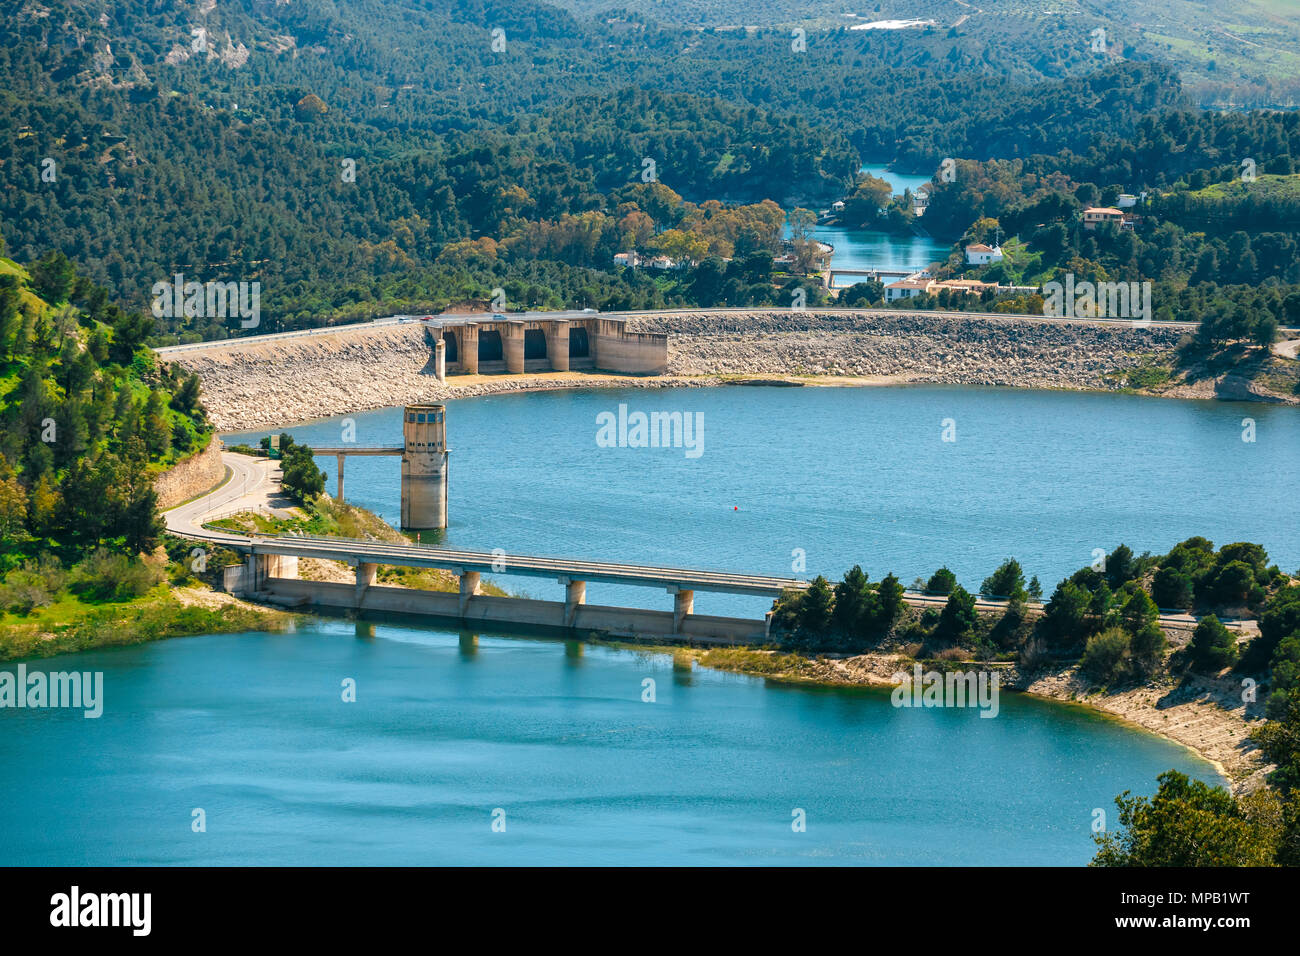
[{"x": 248, "y": 384}]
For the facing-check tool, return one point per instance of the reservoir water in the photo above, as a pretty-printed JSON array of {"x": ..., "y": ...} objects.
[
  {"x": 447, "y": 729},
  {"x": 858, "y": 249},
  {"x": 847, "y": 476}
]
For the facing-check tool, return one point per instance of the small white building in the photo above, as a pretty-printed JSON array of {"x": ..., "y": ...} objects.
[
  {"x": 1127, "y": 201},
  {"x": 837, "y": 205},
  {"x": 661, "y": 262},
  {"x": 978, "y": 254},
  {"x": 627, "y": 259},
  {"x": 907, "y": 288}
]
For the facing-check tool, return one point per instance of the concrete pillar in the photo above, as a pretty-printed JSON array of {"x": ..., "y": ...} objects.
[
  {"x": 469, "y": 581},
  {"x": 469, "y": 349},
  {"x": 440, "y": 360},
  {"x": 365, "y": 577},
  {"x": 683, "y": 604},
  {"x": 339, "y": 497},
  {"x": 252, "y": 565},
  {"x": 512, "y": 344},
  {"x": 575, "y": 594},
  {"x": 557, "y": 345}
]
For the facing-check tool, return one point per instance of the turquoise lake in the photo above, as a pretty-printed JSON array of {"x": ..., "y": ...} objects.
[{"x": 448, "y": 727}]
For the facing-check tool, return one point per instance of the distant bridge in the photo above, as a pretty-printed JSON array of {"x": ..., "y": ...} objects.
[{"x": 882, "y": 275}]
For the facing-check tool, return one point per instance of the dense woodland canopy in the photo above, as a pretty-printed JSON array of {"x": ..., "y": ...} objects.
[
  {"x": 228, "y": 163},
  {"x": 367, "y": 157}
]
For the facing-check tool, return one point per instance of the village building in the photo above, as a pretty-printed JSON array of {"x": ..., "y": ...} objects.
[
  {"x": 1094, "y": 215},
  {"x": 978, "y": 254}
]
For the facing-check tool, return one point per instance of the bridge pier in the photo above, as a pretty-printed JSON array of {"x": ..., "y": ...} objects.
[
  {"x": 469, "y": 586},
  {"x": 259, "y": 567},
  {"x": 339, "y": 497},
  {"x": 683, "y": 604},
  {"x": 440, "y": 360},
  {"x": 575, "y": 594},
  {"x": 365, "y": 577}
]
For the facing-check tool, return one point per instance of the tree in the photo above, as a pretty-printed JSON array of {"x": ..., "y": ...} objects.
[
  {"x": 1279, "y": 741},
  {"x": 958, "y": 618},
  {"x": 299, "y": 477},
  {"x": 1064, "y": 617},
  {"x": 801, "y": 222},
  {"x": 890, "y": 592},
  {"x": 1008, "y": 581},
  {"x": 52, "y": 277},
  {"x": 1139, "y": 611},
  {"x": 1120, "y": 567},
  {"x": 1212, "y": 647},
  {"x": 13, "y": 508},
  {"x": 1188, "y": 823},
  {"x": 941, "y": 582},
  {"x": 1234, "y": 582},
  {"x": 854, "y": 603},
  {"x": 1172, "y": 588},
  {"x": 816, "y": 608}
]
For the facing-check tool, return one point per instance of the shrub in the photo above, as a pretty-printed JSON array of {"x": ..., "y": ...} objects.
[
  {"x": 105, "y": 576},
  {"x": 1105, "y": 658}
]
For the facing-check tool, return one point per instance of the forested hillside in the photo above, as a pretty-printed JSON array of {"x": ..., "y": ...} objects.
[
  {"x": 87, "y": 418},
  {"x": 334, "y": 153}
]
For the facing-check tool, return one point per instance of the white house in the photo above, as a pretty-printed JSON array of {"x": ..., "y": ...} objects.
[
  {"x": 627, "y": 259},
  {"x": 907, "y": 288},
  {"x": 978, "y": 254}
]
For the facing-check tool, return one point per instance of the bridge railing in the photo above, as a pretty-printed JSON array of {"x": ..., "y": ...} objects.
[{"x": 488, "y": 556}]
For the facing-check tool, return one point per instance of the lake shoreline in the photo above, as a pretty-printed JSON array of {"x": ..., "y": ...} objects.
[{"x": 1195, "y": 716}]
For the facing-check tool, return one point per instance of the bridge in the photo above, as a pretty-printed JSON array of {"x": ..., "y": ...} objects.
[
  {"x": 883, "y": 275},
  {"x": 269, "y": 572}
]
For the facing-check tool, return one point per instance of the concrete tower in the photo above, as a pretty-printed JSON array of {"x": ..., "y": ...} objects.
[{"x": 424, "y": 467}]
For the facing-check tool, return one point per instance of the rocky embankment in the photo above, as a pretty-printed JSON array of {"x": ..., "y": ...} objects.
[
  {"x": 991, "y": 350},
  {"x": 251, "y": 384}
]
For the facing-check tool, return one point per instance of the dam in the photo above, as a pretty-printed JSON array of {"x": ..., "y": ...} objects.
[{"x": 485, "y": 344}]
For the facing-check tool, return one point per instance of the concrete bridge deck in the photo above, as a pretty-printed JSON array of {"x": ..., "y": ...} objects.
[
  {"x": 356, "y": 551},
  {"x": 270, "y": 570}
]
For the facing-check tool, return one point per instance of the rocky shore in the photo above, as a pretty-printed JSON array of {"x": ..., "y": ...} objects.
[{"x": 251, "y": 384}]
